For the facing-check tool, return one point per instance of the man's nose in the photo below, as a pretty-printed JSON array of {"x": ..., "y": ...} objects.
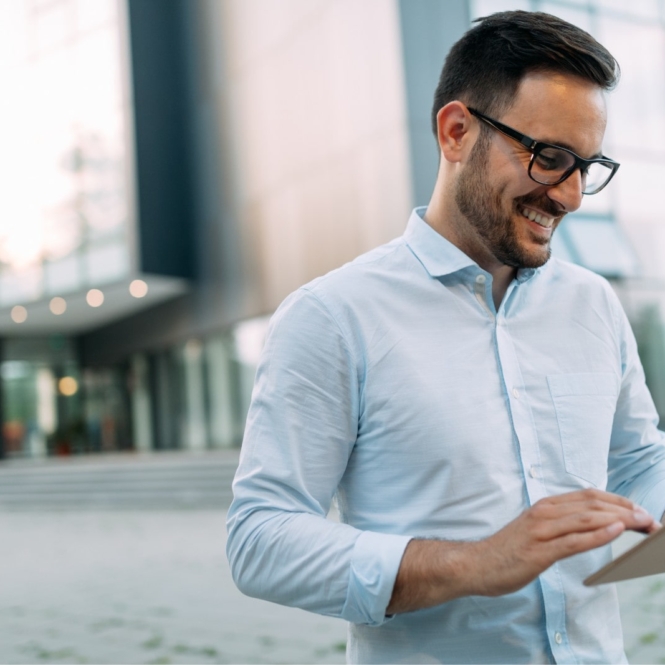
[{"x": 568, "y": 194}]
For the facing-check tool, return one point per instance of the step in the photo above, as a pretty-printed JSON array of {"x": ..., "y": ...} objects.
[{"x": 160, "y": 480}]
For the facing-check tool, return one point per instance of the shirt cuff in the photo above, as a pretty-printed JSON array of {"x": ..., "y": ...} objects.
[{"x": 375, "y": 561}]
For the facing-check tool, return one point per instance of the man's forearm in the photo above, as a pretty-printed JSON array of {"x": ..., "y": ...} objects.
[{"x": 433, "y": 572}]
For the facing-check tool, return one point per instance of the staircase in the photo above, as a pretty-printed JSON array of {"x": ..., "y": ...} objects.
[{"x": 165, "y": 480}]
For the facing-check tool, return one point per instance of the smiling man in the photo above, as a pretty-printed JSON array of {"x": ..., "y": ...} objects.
[{"x": 478, "y": 408}]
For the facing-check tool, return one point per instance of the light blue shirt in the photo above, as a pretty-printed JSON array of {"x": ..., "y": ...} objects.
[{"x": 395, "y": 385}]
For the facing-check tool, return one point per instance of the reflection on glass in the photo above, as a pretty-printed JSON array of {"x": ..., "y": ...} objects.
[{"x": 62, "y": 176}]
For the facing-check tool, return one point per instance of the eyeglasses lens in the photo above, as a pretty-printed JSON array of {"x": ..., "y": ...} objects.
[
  {"x": 596, "y": 176},
  {"x": 550, "y": 165}
]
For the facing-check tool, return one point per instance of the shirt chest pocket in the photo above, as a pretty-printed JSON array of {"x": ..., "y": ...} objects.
[{"x": 585, "y": 406}]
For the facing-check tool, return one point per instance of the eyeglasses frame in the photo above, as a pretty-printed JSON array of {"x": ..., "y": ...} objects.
[{"x": 536, "y": 147}]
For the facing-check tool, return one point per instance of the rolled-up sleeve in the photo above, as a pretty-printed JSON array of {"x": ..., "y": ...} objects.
[
  {"x": 301, "y": 429},
  {"x": 637, "y": 449}
]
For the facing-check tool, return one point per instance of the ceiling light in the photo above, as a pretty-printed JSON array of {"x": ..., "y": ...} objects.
[
  {"x": 68, "y": 386},
  {"x": 58, "y": 306},
  {"x": 19, "y": 314},
  {"x": 94, "y": 298},
  {"x": 138, "y": 288}
]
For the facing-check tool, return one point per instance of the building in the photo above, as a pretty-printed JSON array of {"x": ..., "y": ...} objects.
[{"x": 174, "y": 168}]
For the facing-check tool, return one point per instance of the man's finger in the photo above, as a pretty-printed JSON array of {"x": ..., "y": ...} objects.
[
  {"x": 630, "y": 512},
  {"x": 581, "y": 496},
  {"x": 591, "y": 520},
  {"x": 575, "y": 543}
]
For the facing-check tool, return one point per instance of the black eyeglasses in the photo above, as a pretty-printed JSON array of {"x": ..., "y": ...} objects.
[{"x": 552, "y": 164}]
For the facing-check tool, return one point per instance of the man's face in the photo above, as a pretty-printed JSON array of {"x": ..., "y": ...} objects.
[{"x": 494, "y": 191}]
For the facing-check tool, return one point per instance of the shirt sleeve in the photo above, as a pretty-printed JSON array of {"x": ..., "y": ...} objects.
[
  {"x": 301, "y": 429},
  {"x": 637, "y": 448}
]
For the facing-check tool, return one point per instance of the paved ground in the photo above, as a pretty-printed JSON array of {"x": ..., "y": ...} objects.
[
  {"x": 140, "y": 587},
  {"x": 154, "y": 587},
  {"x": 642, "y": 612}
]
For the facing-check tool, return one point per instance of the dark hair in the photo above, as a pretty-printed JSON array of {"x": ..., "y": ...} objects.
[{"x": 485, "y": 67}]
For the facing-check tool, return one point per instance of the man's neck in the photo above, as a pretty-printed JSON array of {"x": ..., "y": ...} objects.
[
  {"x": 501, "y": 279},
  {"x": 447, "y": 224}
]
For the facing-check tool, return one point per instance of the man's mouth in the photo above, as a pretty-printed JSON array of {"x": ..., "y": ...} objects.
[{"x": 537, "y": 217}]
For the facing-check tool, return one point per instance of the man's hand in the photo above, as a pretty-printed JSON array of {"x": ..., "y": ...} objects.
[
  {"x": 433, "y": 572},
  {"x": 553, "y": 529}
]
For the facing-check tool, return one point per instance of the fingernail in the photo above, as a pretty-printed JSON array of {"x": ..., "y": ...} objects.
[
  {"x": 615, "y": 528},
  {"x": 642, "y": 516},
  {"x": 639, "y": 508}
]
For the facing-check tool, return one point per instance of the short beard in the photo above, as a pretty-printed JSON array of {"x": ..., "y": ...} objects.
[{"x": 482, "y": 207}]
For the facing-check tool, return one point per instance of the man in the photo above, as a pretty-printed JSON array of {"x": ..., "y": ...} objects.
[{"x": 466, "y": 398}]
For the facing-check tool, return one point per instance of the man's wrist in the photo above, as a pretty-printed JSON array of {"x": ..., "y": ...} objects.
[{"x": 434, "y": 572}]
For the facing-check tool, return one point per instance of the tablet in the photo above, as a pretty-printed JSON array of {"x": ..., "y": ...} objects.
[{"x": 646, "y": 558}]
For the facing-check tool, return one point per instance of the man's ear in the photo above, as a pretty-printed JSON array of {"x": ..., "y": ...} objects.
[{"x": 456, "y": 131}]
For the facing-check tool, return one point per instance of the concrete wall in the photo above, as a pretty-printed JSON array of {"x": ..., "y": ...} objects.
[
  {"x": 313, "y": 104},
  {"x": 310, "y": 143}
]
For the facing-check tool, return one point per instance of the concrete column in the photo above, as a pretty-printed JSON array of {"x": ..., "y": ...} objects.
[
  {"x": 195, "y": 435},
  {"x": 46, "y": 412},
  {"x": 141, "y": 405},
  {"x": 221, "y": 383},
  {"x": 429, "y": 29}
]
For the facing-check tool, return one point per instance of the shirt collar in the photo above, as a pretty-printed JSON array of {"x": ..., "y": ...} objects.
[{"x": 437, "y": 254}]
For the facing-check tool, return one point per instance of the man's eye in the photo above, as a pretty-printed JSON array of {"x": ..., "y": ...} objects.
[{"x": 549, "y": 160}]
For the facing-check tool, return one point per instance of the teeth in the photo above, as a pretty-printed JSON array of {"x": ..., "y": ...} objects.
[{"x": 547, "y": 222}]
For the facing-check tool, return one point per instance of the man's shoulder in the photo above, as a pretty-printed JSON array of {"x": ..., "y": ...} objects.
[
  {"x": 572, "y": 275},
  {"x": 347, "y": 295},
  {"x": 357, "y": 276},
  {"x": 576, "y": 284}
]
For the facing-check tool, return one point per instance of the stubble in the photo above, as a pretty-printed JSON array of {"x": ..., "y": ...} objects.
[{"x": 483, "y": 207}]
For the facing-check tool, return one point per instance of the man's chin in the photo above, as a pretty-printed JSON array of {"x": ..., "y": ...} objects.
[
  {"x": 520, "y": 258},
  {"x": 539, "y": 261}
]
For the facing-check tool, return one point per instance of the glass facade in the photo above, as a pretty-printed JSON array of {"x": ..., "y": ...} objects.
[
  {"x": 183, "y": 381},
  {"x": 69, "y": 219},
  {"x": 63, "y": 179},
  {"x": 42, "y": 403},
  {"x": 193, "y": 396}
]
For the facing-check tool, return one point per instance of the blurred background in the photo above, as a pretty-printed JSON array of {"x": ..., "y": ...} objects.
[{"x": 171, "y": 170}]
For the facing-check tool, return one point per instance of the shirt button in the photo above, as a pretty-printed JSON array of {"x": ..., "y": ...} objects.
[
  {"x": 532, "y": 472},
  {"x": 516, "y": 393},
  {"x": 557, "y": 638},
  {"x": 481, "y": 279}
]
